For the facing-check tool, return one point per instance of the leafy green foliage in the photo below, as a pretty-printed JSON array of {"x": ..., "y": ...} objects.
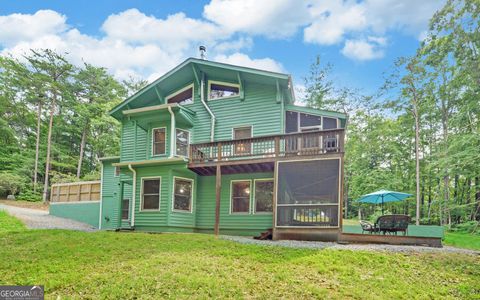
[
  {"x": 10, "y": 183},
  {"x": 77, "y": 98}
]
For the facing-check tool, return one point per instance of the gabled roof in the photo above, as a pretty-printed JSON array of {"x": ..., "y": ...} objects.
[{"x": 190, "y": 71}]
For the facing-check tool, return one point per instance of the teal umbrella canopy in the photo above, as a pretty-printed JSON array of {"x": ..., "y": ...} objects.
[{"x": 383, "y": 196}]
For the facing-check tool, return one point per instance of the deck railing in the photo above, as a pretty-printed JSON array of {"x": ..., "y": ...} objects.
[{"x": 272, "y": 146}]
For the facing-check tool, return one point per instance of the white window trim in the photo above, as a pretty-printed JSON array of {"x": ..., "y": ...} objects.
[
  {"x": 254, "y": 208},
  {"x": 153, "y": 141},
  {"x": 210, "y": 82},
  {"x": 340, "y": 161},
  {"x": 115, "y": 171},
  {"x": 191, "y": 195},
  {"x": 249, "y": 197},
  {"x": 188, "y": 143},
  {"x": 251, "y": 136},
  {"x": 129, "y": 212},
  {"x": 159, "y": 194},
  {"x": 191, "y": 85}
]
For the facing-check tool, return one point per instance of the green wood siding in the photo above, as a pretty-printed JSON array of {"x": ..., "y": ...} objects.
[
  {"x": 86, "y": 212},
  {"x": 110, "y": 197},
  {"x": 258, "y": 109}
]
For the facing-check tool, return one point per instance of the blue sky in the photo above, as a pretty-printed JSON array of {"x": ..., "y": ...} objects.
[{"x": 147, "y": 38}]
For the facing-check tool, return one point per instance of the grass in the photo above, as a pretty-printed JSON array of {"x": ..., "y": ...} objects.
[
  {"x": 462, "y": 240},
  {"x": 153, "y": 266},
  {"x": 9, "y": 223}
]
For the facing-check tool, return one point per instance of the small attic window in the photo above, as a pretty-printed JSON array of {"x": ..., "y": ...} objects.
[
  {"x": 219, "y": 90},
  {"x": 182, "y": 96}
]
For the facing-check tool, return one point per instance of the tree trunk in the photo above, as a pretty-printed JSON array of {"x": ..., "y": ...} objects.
[
  {"x": 417, "y": 161},
  {"x": 37, "y": 145},
  {"x": 82, "y": 149},
  {"x": 477, "y": 198},
  {"x": 49, "y": 144}
]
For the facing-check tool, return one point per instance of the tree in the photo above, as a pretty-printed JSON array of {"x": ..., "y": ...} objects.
[
  {"x": 55, "y": 70},
  {"x": 94, "y": 88}
]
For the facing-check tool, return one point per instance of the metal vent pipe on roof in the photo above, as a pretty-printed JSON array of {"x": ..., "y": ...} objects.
[{"x": 202, "y": 49}]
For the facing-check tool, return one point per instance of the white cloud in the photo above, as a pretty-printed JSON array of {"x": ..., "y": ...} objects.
[
  {"x": 134, "y": 44},
  {"x": 272, "y": 18},
  {"x": 409, "y": 16},
  {"x": 244, "y": 60},
  {"x": 17, "y": 28},
  {"x": 364, "y": 49},
  {"x": 333, "y": 19},
  {"x": 176, "y": 32}
]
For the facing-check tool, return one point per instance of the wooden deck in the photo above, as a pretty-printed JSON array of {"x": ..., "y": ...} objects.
[
  {"x": 258, "y": 154},
  {"x": 423, "y": 235}
]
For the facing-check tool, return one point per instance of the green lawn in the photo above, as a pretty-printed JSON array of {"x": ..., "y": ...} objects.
[
  {"x": 462, "y": 240},
  {"x": 153, "y": 266},
  {"x": 9, "y": 223}
]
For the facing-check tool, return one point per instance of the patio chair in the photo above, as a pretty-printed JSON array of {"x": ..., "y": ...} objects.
[
  {"x": 368, "y": 227},
  {"x": 393, "y": 224}
]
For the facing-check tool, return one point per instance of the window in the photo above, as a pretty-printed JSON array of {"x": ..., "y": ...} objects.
[
  {"x": 219, "y": 90},
  {"x": 263, "y": 195},
  {"x": 182, "y": 194},
  {"x": 117, "y": 171},
  {"x": 125, "y": 209},
  {"x": 329, "y": 123},
  {"x": 158, "y": 141},
  {"x": 182, "y": 141},
  {"x": 242, "y": 133},
  {"x": 308, "y": 193},
  {"x": 183, "y": 96},
  {"x": 240, "y": 202},
  {"x": 151, "y": 193}
]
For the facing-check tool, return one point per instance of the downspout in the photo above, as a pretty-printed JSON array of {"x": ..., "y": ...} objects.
[
  {"x": 101, "y": 197},
  {"x": 172, "y": 132},
  {"x": 212, "y": 116},
  {"x": 134, "y": 192}
]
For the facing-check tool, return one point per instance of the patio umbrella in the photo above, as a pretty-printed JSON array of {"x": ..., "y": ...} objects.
[{"x": 383, "y": 196}]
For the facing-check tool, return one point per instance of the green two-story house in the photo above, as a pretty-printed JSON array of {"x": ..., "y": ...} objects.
[{"x": 217, "y": 148}]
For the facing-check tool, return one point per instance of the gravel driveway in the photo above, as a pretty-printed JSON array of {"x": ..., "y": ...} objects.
[
  {"x": 40, "y": 219},
  {"x": 354, "y": 247}
]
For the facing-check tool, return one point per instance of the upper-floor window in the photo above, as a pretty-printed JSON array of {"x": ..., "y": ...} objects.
[
  {"x": 182, "y": 96},
  {"x": 242, "y": 133},
  {"x": 182, "y": 141},
  {"x": 302, "y": 122},
  {"x": 218, "y": 90},
  {"x": 158, "y": 141}
]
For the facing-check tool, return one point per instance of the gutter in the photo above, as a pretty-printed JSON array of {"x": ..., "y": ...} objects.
[
  {"x": 172, "y": 132},
  {"x": 212, "y": 116},
  {"x": 134, "y": 192}
]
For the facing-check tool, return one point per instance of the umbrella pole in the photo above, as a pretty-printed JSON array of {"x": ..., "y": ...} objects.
[{"x": 382, "y": 205}]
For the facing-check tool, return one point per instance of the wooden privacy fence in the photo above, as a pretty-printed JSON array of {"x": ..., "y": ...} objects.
[{"x": 75, "y": 191}]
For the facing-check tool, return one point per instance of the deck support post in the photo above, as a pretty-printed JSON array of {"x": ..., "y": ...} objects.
[{"x": 218, "y": 189}]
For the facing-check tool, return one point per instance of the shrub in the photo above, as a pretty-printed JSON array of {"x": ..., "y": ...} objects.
[
  {"x": 29, "y": 195},
  {"x": 10, "y": 184},
  {"x": 467, "y": 227}
]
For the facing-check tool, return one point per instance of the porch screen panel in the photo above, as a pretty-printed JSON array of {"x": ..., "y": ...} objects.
[{"x": 308, "y": 193}]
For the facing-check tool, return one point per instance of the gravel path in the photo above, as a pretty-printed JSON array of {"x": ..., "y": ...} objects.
[
  {"x": 353, "y": 247},
  {"x": 40, "y": 219}
]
